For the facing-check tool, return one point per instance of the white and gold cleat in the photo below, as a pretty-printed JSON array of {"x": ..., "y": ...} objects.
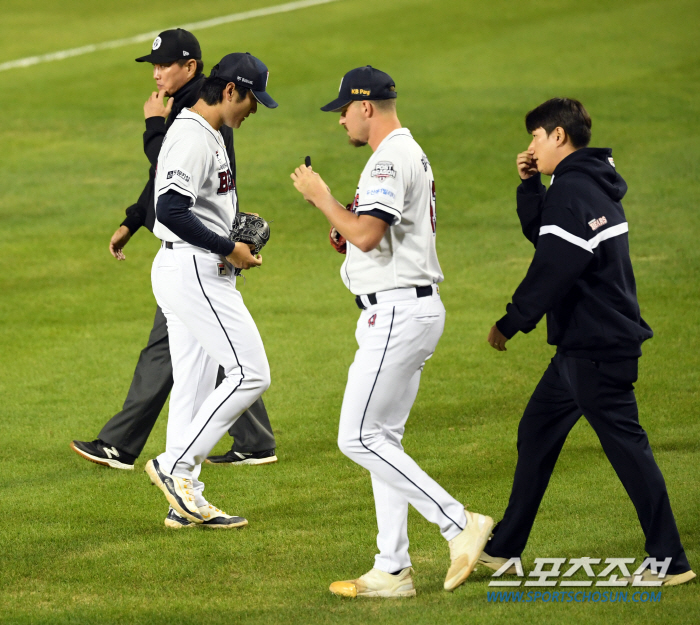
[
  {"x": 177, "y": 490},
  {"x": 466, "y": 547},
  {"x": 377, "y": 583},
  {"x": 213, "y": 518}
]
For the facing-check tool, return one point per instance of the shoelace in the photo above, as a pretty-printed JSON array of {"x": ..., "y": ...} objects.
[
  {"x": 215, "y": 510},
  {"x": 188, "y": 488}
]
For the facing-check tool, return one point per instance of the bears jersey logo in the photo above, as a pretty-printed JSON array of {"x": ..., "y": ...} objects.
[{"x": 226, "y": 182}]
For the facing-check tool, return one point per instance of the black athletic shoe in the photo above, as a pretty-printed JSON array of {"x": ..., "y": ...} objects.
[
  {"x": 99, "y": 452},
  {"x": 243, "y": 457}
]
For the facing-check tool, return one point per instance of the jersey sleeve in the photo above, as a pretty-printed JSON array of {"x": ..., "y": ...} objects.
[
  {"x": 184, "y": 166},
  {"x": 382, "y": 188}
]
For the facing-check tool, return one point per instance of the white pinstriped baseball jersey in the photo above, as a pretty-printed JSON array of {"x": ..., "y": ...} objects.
[
  {"x": 397, "y": 180},
  {"x": 193, "y": 161}
]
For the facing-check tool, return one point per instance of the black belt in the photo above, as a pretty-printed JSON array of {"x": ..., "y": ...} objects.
[
  {"x": 168, "y": 245},
  {"x": 421, "y": 291}
]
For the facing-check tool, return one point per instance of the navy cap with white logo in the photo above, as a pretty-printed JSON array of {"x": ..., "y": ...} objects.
[
  {"x": 173, "y": 45},
  {"x": 246, "y": 71},
  {"x": 362, "y": 83}
]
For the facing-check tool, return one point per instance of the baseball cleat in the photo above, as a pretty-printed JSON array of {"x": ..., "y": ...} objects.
[
  {"x": 100, "y": 452},
  {"x": 495, "y": 563},
  {"x": 377, "y": 583},
  {"x": 666, "y": 580},
  {"x": 178, "y": 491},
  {"x": 175, "y": 521},
  {"x": 466, "y": 547},
  {"x": 213, "y": 518},
  {"x": 242, "y": 457}
]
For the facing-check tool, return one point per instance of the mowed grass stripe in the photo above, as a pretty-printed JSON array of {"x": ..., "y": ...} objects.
[{"x": 120, "y": 43}]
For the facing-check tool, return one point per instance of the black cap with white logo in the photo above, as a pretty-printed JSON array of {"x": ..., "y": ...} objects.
[
  {"x": 246, "y": 71},
  {"x": 173, "y": 45},
  {"x": 362, "y": 83}
]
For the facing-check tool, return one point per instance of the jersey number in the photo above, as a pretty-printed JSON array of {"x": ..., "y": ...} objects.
[
  {"x": 433, "y": 216},
  {"x": 226, "y": 182}
]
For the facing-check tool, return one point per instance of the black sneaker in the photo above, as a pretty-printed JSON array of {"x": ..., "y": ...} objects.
[
  {"x": 99, "y": 452},
  {"x": 243, "y": 457}
]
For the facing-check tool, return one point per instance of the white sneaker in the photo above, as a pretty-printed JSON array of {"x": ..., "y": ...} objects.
[
  {"x": 466, "y": 547},
  {"x": 377, "y": 583},
  {"x": 178, "y": 491},
  {"x": 213, "y": 517}
]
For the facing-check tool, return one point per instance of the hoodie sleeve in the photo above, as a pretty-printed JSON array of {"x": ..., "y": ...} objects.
[
  {"x": 530, "y": 200},
  {"x": 136, "y": 213},
  {"x": 561, "y": 256},
  {"x": 153, "y": 138}
]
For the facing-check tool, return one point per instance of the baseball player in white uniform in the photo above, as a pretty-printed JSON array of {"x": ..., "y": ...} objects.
[
  {"x": 194, "y": 284},
  {"x": 392, "y": 268}
]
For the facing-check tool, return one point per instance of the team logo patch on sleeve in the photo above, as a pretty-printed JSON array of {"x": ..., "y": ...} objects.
[
  {"x": 597, "y": 223},
  {"x": 383, "y": 170},
  {"x": 180, "y": 174}
]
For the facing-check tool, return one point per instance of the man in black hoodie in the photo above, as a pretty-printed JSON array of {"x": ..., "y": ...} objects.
[
  {"x": 581, "y": 278},
  {"x": 177, "y": 69}
]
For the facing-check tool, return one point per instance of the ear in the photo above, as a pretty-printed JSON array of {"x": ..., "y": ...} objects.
[
  {"x": 367, "y": 108},
  {"x": 560, "y": 136},
  {"x": 191, "y": 66},
  {"x": 230, "y": 88}
]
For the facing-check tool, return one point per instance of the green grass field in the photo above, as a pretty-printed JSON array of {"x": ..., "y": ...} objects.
[{"x": 84, "y": 544}]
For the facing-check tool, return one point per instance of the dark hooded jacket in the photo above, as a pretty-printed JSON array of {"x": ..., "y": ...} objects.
[
  {"x": 581, "y": 275},
  {"x": 143, "y": 212}
]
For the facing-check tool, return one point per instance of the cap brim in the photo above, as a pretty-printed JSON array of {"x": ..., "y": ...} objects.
[
  {"x": 264, "y": 98},
  {"x": 154, "y": 57},
  {"x": 336, "y": 105}
]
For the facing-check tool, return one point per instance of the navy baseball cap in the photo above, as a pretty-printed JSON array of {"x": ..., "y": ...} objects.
[
  {"x": 362, "y": 83},
  {"x": 247, "y": 71},
  {"x": 173, "y": 45}
]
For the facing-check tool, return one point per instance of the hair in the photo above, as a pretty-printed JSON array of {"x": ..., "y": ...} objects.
[
  {"x": 212, "y": 90},
  {"x": 563, "y": 113},
  {"x": 385, "y": 106},
  {"x": 198, "y": 70}
]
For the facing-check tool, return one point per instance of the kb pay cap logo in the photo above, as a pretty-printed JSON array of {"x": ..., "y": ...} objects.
[{"x": 156, "y": 43}]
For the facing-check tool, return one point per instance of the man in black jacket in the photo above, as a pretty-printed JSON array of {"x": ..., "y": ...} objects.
[
  {"x": 177, "y": 69},
  {"x": 581, "y": 278}
]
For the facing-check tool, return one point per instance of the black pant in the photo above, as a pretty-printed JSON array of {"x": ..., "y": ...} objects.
[
  {"x": 129, "y": 429},
  {"x": 604, "y": 393}
]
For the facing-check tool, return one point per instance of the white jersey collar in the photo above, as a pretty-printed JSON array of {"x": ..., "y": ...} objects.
[
  {"x": 186, "y": 112},
  {"x": 394, "y": 133}
]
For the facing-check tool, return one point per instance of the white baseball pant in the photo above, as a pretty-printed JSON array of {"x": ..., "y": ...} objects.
[
  {"x": 208, "y": 325},
  {"x": 395, "y": 338}
]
